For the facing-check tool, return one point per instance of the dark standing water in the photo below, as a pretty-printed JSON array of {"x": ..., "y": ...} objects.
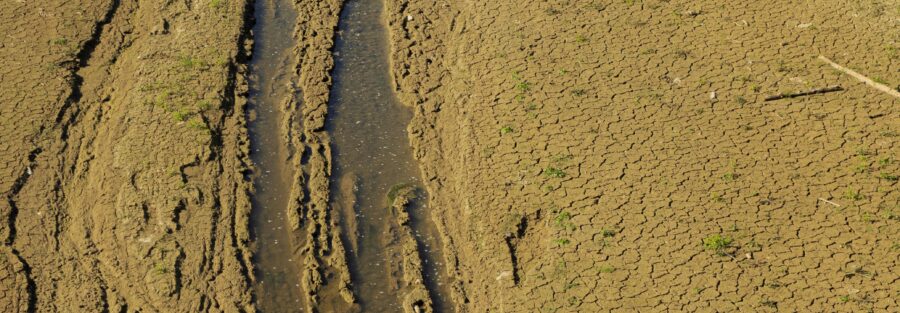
[
  {"x": 371, "y": 153},
  {"x": 277, "y": 273}
]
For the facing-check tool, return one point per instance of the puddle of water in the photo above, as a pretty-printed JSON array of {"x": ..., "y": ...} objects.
[
  {"x": 277, "y": 270},
  {"x": 371, "y": 153}
]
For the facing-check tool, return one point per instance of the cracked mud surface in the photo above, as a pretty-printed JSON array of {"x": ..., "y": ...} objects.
[
  {"x": 577, "y": 159},
  {"x": 580, "y": 156}
]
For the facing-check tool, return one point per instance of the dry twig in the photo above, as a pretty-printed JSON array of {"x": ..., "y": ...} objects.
[
  {"x": 804, "y": 93},
  {"x": 861, "y": 78}
]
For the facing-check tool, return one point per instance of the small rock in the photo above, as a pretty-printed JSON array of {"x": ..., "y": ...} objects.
[
  {"x": 804, "y": 25},
  {"x": 409, "y": 18},
  {"x": 712, "y": 95}
]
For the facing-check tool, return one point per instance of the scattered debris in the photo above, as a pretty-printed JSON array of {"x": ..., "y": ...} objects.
[
  {"x": 692, "y": 13},
  {"x": 861, "y": 78},
  {"x": 804, "y": 25},
  {"x": 804, "y": 93}
]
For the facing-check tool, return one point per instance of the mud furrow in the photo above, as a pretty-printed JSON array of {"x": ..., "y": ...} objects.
[
  {"x": 82, "y": 60},
  {"x": 326, "y": 277}
]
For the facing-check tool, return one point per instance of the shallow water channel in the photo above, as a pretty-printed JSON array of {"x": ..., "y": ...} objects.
[
  {"x": 277, "y": 273},
  {"x": 371, "y": 153}
]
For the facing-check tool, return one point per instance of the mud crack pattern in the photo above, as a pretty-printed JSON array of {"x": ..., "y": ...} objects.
[{"x": 580, "y": 152}]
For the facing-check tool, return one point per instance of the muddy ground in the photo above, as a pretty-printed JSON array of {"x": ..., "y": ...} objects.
[{"x": 579, "y": 156}]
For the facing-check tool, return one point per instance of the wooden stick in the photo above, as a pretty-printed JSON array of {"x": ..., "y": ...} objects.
[
  {"x": 829, "y": 202},
  {"x": 861, "y": 78},
  {"x": 804, "y": 93}
]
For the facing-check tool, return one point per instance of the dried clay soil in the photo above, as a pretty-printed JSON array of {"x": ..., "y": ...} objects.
[{"x": 579, "y": 156}]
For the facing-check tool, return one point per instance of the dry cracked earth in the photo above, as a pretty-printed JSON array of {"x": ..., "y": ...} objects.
[{"x": 579, "y": 156}]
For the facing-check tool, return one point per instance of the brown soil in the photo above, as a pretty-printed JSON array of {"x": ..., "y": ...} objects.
[
  {"x": 578, "y": 155},
  {"x": 123, "y": 148}
]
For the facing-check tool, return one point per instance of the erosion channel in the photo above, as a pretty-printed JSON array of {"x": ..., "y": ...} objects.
[
  {"x": 277, "y": 271},
  {"x": 391, "y": 242}
]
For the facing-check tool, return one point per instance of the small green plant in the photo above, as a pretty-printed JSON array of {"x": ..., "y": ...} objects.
[
  {"x": 769, "y": 303},
  {"x": 580, "y": 39},
  {"x": 215, "y": 4},
  {"x": 204, "y": 105},
  {"x": 868, "y": 217},
  {"x": 892, "y": 52},
  {"x": 561, "y": 241},
  {"x": 606, "y": 269},
  {"x": 880, "y": 80},
  {"x": 862, "y": 165},
  {"x": 554, "y": 172},
  {"x": 755, "y": 88},
  {"x": 730, "y": 176},
  {"x": 844, "y": 299},
  {"x": 506, "y": 130},
  {"x": 160, "y": 269},
  {"x": 579, "y": 92},
  {"x": 60, "y": 41},
  {"x": 717, "y": 197},
  {"x": 395, "y": 190},
  {"x": 851, "y": 194},
  {"x": 890, "y": 215},
  {"x": 740, "y": 100},
  {"x": 888, "y": 176},
  {"x": 563, "y": 221},
  {"x": 521, "y": 84},
  {"x": 885, "y": 161},
  {"x": 717, "y": 243},
  {"x": 180, "y": 115},
  {"x": 186, "y": 62},
  {"x": 607, "y": 233},
  {"x": 198, "y": 124}
]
